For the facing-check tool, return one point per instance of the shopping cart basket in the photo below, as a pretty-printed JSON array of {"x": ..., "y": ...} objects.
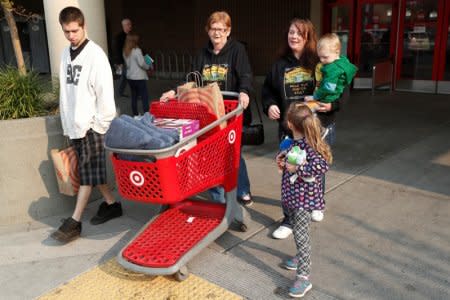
[{"x": 172, "y": 175}]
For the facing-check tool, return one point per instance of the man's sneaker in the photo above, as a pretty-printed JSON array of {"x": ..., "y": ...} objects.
[
  {"x": 107, "y": 212},
  {"x": 317, "y": 215},
  {"x": 68, "y": 231},
  {"x": 291, "y": 264},
  {"x": 300, "y": 288},
  {"x": 282, "y": 232},
  {"x": 246, "y": 200}
]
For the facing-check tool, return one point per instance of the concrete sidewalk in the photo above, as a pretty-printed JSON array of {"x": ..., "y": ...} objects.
[{"x": 385, "y": 234}]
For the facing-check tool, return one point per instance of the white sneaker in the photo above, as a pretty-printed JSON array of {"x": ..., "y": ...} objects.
[
  {"x": 317, "y": 215},
  {"x": 282, "y": 232}
]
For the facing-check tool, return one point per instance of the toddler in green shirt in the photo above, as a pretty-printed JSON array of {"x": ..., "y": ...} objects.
[{"x": 336, "y": 71}]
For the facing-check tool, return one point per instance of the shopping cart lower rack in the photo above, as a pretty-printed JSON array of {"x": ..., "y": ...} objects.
[{"x": 171, "y": 177}]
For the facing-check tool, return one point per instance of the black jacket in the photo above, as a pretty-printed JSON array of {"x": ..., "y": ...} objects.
[
  {"x": 230, "y": 68},
  {"x": 288, "y": 81},
  {"x": 119, "y": 42}
]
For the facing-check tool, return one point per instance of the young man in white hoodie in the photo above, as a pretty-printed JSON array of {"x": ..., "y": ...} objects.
[{"x": 87, "y": 108}]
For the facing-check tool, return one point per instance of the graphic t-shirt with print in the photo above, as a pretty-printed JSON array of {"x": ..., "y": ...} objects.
[{"x": 216, "y": 73}]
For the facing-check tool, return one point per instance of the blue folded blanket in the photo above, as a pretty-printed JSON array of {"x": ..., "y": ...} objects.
[{"x": 126, "y": 132}]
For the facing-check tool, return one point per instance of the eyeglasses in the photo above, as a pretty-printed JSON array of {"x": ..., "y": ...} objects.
[{"x": 220, "y": 30}]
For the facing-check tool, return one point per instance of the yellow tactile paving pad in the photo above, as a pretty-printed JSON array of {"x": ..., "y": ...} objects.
[{"x": 111, "y": 281}]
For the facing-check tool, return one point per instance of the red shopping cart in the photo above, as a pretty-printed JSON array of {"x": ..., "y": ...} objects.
[{"x": 171, "y": 177}]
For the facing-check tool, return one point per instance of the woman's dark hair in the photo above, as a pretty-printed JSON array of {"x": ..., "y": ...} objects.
[
  {"x": 309, "y": 58},
  {"x": 71, "y": 14}
]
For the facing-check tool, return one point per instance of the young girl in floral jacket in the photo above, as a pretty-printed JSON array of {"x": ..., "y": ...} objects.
[{"x": 299, "y": 198}]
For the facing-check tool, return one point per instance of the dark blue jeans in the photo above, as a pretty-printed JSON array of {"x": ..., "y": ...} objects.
[
  {"x": 138, "y": 89},
  {"x": 330, "y": 138},
  {"x": 243, "y": 186}
]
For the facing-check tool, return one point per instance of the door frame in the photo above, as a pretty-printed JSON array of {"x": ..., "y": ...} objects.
[
  {"x": 443, "y": 86},
  {"x": 442, "y": 32}
]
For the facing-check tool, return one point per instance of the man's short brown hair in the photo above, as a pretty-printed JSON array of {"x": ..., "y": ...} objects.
[{"x": 71, "y": 14}]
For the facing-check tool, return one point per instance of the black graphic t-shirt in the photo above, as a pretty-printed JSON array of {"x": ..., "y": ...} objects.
[
  {"x": 298, "y": 82},
  {"x": 288, "y": 81},
  {"x": 230, "y": 68},
  {"x": 216, "y": 73}
]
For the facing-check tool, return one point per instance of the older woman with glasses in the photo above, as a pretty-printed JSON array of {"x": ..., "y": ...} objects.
[{"x": 225, "y": 61}]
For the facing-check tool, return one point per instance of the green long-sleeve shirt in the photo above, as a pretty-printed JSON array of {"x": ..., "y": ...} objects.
[{"x": 335, "y": 77}]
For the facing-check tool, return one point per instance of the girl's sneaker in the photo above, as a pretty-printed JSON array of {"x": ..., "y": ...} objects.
[
  {"x": 282, "y": 232},
  {"x": 317, "y": 215},
  {"x": 300, "y": 288},
  {"x": 291, "y": 264}
]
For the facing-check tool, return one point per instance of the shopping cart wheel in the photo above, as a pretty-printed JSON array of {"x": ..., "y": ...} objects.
[{"x": 182, "y": 274}]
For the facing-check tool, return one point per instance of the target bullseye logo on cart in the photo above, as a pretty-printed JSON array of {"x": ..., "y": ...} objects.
[
  {"x": 137, "y": 178},
  {"x": 232, "y": 136}
]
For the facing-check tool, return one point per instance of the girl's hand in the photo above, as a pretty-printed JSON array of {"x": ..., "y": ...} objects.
[
  {"x": 324, "y": 107},
  {"x": 291, "y": 168},
  {"x": 244, "y": 100},
  {"x": 167, "y": 95},
  {"x": 274, "y": 112},
  {"x": 280, "y": 160}
]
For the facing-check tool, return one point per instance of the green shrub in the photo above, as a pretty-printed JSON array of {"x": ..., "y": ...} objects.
[
  {"x": 50, "y": 96},
  {"x": 20, "y": 95}
]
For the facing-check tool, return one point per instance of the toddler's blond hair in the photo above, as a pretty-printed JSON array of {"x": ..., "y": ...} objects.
[{"x": 330, "y": 41}]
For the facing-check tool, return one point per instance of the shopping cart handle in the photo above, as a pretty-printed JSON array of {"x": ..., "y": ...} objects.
[{"x": 235, "y": 95}]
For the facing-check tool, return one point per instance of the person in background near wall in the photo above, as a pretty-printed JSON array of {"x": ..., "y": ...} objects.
[
  {"x": 86, "y": 108},
  {"x": 136, "y": 72},
  {"x": 290, "y": 79},
  {"x": 121, "y": 70},
  {"x": 225, "y": 61}
]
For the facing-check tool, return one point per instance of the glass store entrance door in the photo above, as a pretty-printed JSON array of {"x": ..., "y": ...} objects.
[
  {"x": 339, "y": 19},
  {"x": 423, "y": 58},
  {"x": 375, "y": 37}
]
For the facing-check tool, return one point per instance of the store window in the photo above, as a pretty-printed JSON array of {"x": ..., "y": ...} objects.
[
  {"x": 419, "y": 39},
  {"x": 375, "y": 41},
  {"x": 340, "y": 24}
]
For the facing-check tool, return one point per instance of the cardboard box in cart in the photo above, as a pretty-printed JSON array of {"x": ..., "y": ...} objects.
[{"x": 185, "y": 127}]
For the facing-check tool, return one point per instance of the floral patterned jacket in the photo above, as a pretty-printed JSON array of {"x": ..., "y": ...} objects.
[{"x": 301, "y": 194}]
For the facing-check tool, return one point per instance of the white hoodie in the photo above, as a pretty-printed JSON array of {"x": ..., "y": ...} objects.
[
  {"x": 136, "y": 66},
  {"x": 86, "y": 92}
]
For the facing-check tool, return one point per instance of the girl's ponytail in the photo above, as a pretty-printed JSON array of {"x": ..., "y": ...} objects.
[
  {"x": 301, "y": 117},
  {"x": 313, "y": 134}
]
